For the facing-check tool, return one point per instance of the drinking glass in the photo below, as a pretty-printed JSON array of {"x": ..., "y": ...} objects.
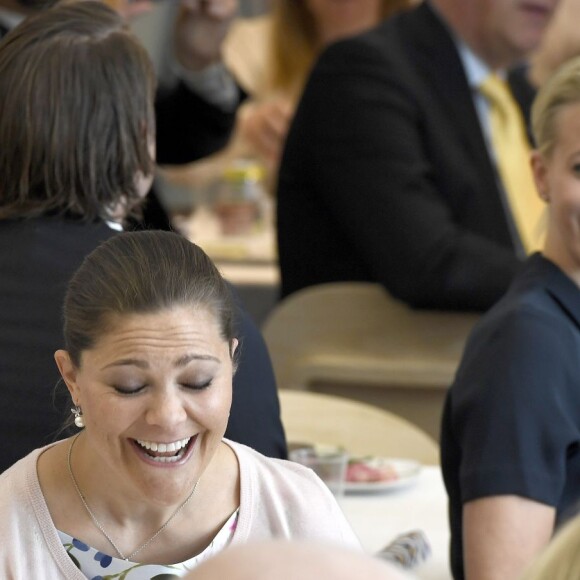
[{"x": 329, "y": 465}]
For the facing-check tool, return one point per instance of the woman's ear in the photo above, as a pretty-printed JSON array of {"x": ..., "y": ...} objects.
[
  {"x": 540, "y": 171},
  {"x": 69, "y": 373}
]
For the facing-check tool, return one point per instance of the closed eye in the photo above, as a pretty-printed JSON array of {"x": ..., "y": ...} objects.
[
  {"x": 197, "y": 386},
  {"x": 128, "y": 390}
]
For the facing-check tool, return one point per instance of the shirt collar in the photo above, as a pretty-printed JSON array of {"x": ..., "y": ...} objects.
[
  {"x": 475, "y": 69},
  {"x": 560, "y": 287},
  {"x": 114, "y": 225}
]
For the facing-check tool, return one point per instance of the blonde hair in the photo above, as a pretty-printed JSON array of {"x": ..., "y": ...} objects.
[
  {"x": 561, "y": 90},
  {"x": 561, "y": 558},
  {"x": 294, "y": 45}
]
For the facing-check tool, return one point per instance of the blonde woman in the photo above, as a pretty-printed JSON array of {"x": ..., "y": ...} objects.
[{"x": 511, "y": 425}]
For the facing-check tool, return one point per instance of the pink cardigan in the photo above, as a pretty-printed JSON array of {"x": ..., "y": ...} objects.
[{"x": 279, "y": 499}]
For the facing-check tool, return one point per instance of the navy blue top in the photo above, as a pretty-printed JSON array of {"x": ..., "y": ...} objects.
[{"x": 511, "y": 424}]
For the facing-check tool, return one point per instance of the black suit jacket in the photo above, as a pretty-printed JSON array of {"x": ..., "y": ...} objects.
[{"x": 386, "y": 176}]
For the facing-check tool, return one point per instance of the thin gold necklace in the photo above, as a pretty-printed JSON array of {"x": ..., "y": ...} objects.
[{"x": 100, "y": 526}]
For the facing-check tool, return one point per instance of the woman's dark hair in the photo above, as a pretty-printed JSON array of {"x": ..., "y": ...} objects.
[
  {"x": 141, "y": 272},
  {"x": 76, "y": 114}
]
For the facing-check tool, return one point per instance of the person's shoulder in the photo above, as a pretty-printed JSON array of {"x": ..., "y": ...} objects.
[
  {"x": 527, "y": 332},
  {"x": 288, "y": 499},
  {"x": 15, "y": 481},
  {"x": 54, "y": 245},
  {"x": 386, "y": 49},
  {"x": 515, "y": 328},
  {"x": 527, "y": 307},
  {"x": 373, "y": 43},
  {"x": 55, "y": 225},
  {"x": 272, "y": 473}
]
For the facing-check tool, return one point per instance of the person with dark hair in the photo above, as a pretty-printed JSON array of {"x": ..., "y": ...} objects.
[
  {"x": 80, "y": 124},
  {"x": 510, "y": 435},
  {"x": 196, "y": 114},
  {"x": 149, "y": 486}
]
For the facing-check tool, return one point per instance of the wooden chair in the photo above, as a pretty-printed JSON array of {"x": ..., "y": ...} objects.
[
  {"x": 359, "y": 428},
  {"x": 353, "y": 339}
]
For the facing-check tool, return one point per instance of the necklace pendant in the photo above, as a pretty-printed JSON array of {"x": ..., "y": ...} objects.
[{"x": 99, "y": 525}]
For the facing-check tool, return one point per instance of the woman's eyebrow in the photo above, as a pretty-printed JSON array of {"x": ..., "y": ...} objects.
[
  {"x": 142, "y": 364},
  {"x": 186, "y": 359}
]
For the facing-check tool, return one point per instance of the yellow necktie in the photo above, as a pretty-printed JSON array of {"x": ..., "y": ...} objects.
[{"x": 513, "y": 160}]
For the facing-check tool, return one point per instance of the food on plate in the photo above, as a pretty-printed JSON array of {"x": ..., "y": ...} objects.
[{"x": 369, "y": 470}]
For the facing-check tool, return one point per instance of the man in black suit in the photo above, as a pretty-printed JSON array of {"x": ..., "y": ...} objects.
[{"x": 389, "y": 174}]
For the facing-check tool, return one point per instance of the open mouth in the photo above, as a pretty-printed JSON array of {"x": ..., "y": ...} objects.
[{"x": 165, "y": 452}]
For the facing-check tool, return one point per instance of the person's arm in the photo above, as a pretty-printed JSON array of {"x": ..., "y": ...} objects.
[
  {"x": 509, "y": 432},
  {"x": 502, "y": 534},
  {"x": 358, "y": 144}
]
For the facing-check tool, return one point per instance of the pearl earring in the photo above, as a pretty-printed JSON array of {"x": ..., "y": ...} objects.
[{"x": 79, "y": 419}]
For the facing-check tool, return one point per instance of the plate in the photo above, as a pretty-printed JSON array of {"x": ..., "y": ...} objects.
[{"x": 407, "y": 470}]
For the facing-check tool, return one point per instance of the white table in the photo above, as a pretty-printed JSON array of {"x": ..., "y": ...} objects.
[
  {"x": 378, "y": 518},
  {"x": 249, "y": 262}
]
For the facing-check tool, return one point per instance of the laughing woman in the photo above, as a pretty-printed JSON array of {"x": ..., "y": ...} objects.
[
  {"x": 149, "y": 486},
  {"x": 77, "y": 127}
]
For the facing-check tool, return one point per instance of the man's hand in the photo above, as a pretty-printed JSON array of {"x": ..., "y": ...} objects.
[
  {"x": 200, "y": 28},
  {"x": 265, "y": 125}
]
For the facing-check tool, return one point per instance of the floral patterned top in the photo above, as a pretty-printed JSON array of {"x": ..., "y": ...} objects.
[{"x": 98, "y": 566}]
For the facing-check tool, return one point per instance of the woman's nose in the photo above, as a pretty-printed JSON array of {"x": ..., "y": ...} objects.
[{"x": 166, "y": 409}]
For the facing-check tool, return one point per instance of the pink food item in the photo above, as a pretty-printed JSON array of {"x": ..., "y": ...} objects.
[{"x": 369, "y": 471}]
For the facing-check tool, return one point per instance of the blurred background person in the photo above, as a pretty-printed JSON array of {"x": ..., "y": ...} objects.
[
  {"x": 196, "y": 113},
  {"x": 148, "y": 487},
  {"x": 560, "y": 560},
  {"x": 560, "y": 43},
  {"x": 511, "y": 426},
  {"x": 290, "y": 560},
  {"x": 57, "y": 206},
  {"x": 398, "y": 168},
  {"x": 271, "y": 56}
]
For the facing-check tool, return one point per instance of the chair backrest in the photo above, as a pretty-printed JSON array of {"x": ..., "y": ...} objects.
[
  {"x": 359, "y": 428},
  {"x": 360, "y": 330},
  {"x": 355, "y": 335}
]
